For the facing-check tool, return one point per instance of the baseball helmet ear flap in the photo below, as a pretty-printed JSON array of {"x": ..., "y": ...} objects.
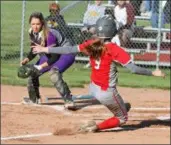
[{"x": 106, "y": 27}]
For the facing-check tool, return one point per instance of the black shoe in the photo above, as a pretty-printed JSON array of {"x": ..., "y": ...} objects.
[{"x": 128, "y": 106}]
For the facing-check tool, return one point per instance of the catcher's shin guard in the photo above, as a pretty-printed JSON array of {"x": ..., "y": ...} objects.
[
  {"x": 33, "y": 89},
  {"x": 60, "y": 84}
]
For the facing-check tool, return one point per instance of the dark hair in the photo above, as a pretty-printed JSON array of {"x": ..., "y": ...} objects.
[
  {"x": 44, "y": 28},
  {"x": 96, "y": 49},
  {"x": 37, "y": 15}
]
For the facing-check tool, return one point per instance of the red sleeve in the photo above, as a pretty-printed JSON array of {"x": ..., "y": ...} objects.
[
  {"x": 84, "y": 44},
  {"x": 120, "y": 55}
]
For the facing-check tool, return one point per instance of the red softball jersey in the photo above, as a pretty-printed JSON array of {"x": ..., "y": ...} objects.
[{"x": 104, "y": 70}]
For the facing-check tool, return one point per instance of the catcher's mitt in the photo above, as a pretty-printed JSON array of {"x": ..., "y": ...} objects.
[{"x": 28, "y": 70}]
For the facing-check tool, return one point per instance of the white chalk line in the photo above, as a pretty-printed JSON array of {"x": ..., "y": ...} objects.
[
  {"x": 110, "y": 114},
  {"x": 25, "y": 136},
  {"x": 134, "y": 109},
  {"x": 50, "y": 134},
  {"x": 61, "y": 108},
  {"x": 56, "y": 107}
]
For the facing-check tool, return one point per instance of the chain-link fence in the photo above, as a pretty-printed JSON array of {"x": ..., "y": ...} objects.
[{"x": 148, "y": 45}]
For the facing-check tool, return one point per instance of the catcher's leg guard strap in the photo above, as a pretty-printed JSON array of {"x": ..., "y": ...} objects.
[
  {"x": 59, "y": 83},
  {"x": 33, "y": 89}
]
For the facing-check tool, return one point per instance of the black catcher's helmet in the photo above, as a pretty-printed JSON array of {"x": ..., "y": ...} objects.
[{"x": 106, "y": 27}]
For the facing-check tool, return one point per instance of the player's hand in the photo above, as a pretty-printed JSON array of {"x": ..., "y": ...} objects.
[
  {"x": 25, "y": 61},
  {"x": 158, "y": 73},
  {"x": 39, "y": 49}
]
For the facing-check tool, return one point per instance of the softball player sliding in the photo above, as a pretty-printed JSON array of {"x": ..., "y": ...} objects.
[{"x": 103, "y": 57}]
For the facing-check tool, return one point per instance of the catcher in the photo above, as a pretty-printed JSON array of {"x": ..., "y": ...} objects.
[
  {"x": 55, "y": 20},
  {"x": 55, "y": 64}
]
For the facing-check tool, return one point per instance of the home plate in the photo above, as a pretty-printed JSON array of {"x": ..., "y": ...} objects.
[{"x": 164, "y": 118}]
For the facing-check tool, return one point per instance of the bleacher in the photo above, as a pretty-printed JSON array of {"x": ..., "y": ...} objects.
[{"x": 144, "y": 42}]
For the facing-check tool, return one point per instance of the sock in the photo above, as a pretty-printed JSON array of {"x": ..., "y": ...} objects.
[{"x": 109, "y": 123}]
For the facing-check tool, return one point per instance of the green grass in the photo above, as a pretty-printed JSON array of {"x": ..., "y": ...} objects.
[
  {"x": 72, "y": 76},
  {"x": 77, "y": 76},
  {"x": 147, "y": 23},
  {"x": 127, "y": 79}
]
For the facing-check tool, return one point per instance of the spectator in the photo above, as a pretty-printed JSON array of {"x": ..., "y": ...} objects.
[
  {"x": 155, "y": 15},
  {"x": 166, "y": 11},
  {"x": 55, "y": 20},
  {"x": 136, "y": 4},
  {"x": 124, "y": 15},
  {"x": 109, "y": 11},
  {"x": 111, "y": 2},
  {"x": 92, "y": 14},
  {"x": 145, "y": 8},
  {"x": 151, "y": 9}
]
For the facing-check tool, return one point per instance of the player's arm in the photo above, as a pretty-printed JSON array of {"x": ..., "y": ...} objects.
[
  {"x": 56, "y": 50},
  {"x": 29, "y": 57},
  {"x": 138, "y": 70},
  {"x": 63, "y": 49},
  {"x": 121, "y": 56},
  {"x": 142, "y": 71}
]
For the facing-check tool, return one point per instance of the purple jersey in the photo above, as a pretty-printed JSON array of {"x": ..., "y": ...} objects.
[{"x": 55, "y": 38}]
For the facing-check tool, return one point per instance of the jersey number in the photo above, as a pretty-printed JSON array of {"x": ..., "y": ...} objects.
[{"x": 97, "y": 64}]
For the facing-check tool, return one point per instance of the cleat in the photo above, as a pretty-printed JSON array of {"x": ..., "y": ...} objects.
[
  {"x": 69, "y": 104},
  {"x": 90, "y": 126},
  {"x": 26, "y": 100}
]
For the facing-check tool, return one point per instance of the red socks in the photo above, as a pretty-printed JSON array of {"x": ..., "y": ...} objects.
[{"x": 109, "y": 123}]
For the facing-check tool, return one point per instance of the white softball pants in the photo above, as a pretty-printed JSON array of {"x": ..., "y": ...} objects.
[{"x": 111, "y": 99}]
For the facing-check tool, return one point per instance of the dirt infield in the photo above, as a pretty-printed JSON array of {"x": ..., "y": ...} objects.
[{"x": 51, "y": 124}]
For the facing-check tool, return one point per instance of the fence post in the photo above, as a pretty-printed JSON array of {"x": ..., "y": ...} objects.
[
  {"x": 22, "y": 30},
  {"x": 159, "y": 35}
]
